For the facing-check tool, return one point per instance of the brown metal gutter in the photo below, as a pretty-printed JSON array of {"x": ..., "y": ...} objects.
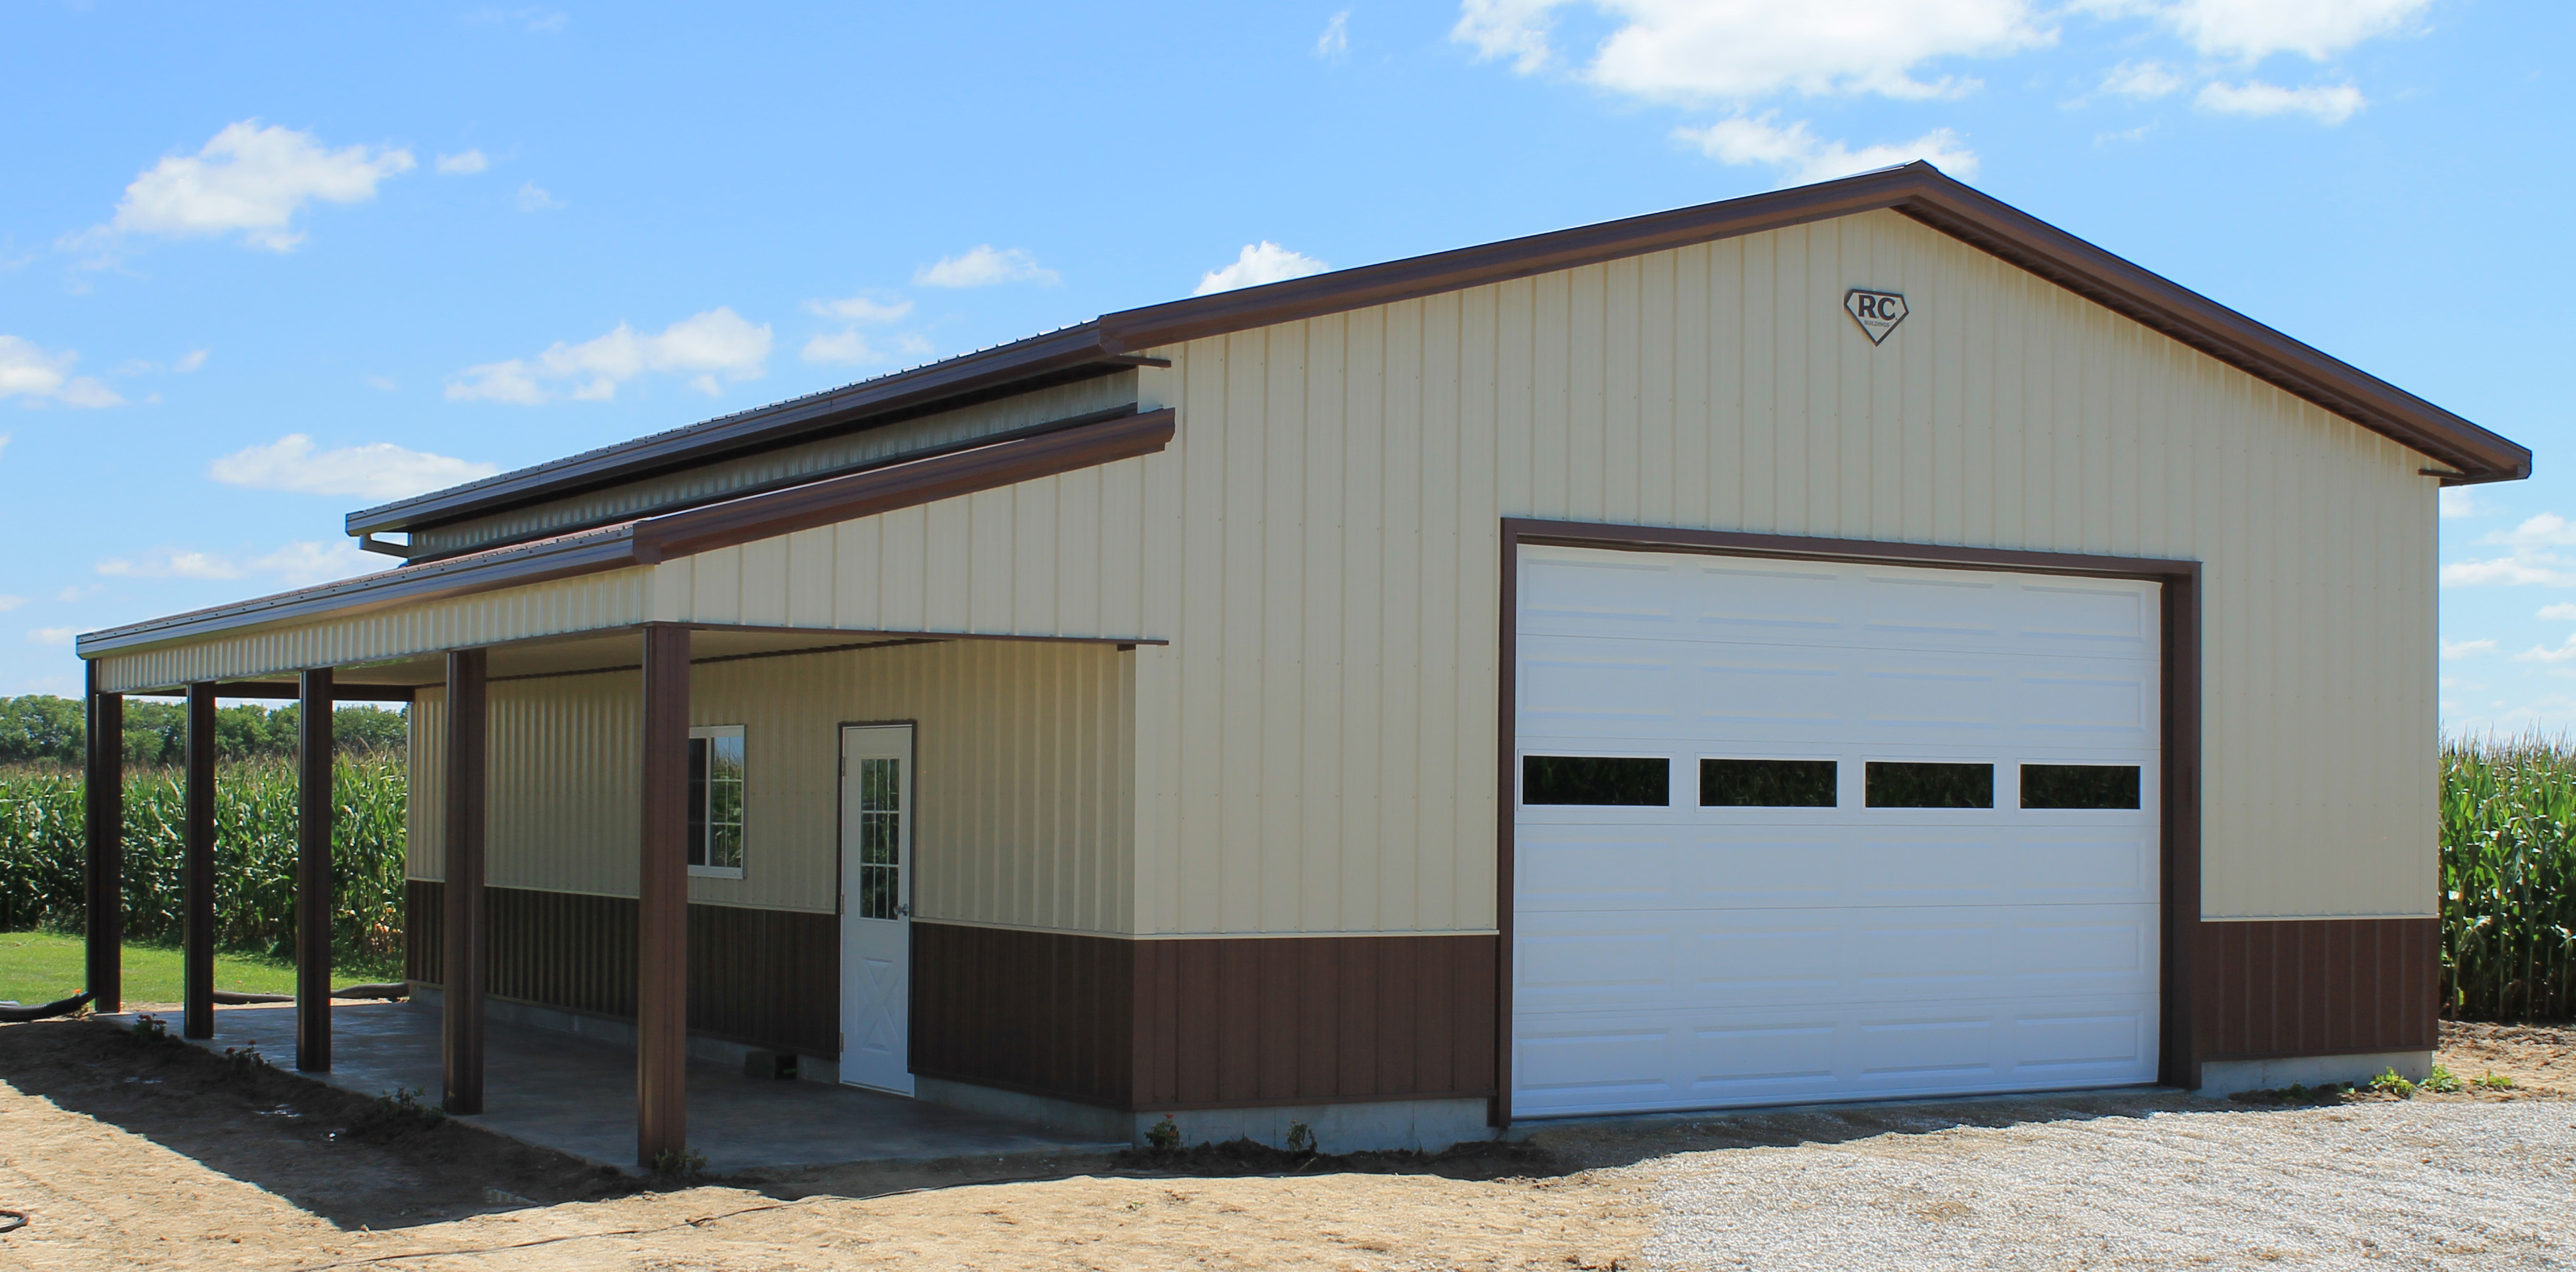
[
  {"x": 1074, "y": 353},
  {"x": 654, "y": 539}
]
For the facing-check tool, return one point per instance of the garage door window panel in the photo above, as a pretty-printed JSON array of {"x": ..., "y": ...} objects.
[
  {"x": 1929, "y": 784},
  {"x": 1597, "y": 780},
  {"x": 2080, "y": 786},
  {"x": 1732, "y": 783}
]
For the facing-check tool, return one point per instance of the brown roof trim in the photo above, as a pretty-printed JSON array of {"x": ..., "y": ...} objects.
[
  {"x": 1117, "y": 341},
  {"x": 654, "y": 539},
  {"x": 1058, "y": 357},
  {"x": 1917, "y": 190}
]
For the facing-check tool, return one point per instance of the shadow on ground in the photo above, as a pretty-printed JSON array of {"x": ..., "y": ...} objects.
[{"x": 328, "y": 1151}]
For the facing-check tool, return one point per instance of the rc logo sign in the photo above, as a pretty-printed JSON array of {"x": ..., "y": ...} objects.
[{"x": 1877, "y": 312}]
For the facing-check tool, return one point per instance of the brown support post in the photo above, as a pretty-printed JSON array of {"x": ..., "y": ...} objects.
[
  {"x": 197, "y": 872},
  {"x": 662, "y": 919},
  {"x": 103, "y": 810},
  {"x": 461, "y": 1016},
  {"x": 313, "y": 811}
]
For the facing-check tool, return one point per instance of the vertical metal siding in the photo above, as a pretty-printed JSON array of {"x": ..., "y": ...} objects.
[
  {"x": 610, "y": 599},
  {"x": 1024, "y": 781},
  {"x": 1314, "y": 741}
]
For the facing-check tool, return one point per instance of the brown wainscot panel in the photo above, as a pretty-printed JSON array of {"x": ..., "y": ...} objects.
[
  {"x": 1199, "y": 1023},
  {"x": 2288, "y": 987},
  {"x": 770, "y": 978}
]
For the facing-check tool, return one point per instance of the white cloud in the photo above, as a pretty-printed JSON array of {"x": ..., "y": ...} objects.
[
  {"x": 170, "y": 563},
  {"x": 306, "y": 562},
  {"x": 2142, "y": 79},
  {"x": 1258, "y": 263},
  {"x": 2561, "y": 610},
  {"x": 29, "y": 372},
  {"x": 719, "y": 344},
  {"x": 464, "y": 165},
  {"x": 52, "y": 635},
  {"x": 2540, "y": 568},
  {"x": 4, "y": 442},
  {"x": 294, "y": 565},
  {"x": 254, "y": 180},
  {"x": 2326, "y": 103},
  {"x": 1740, "y": 50},
  {"x": 1334, "y": 45},
  {"x": 2456, "y": 501},
  {"x": 379, "y": 471},
  {"x": 1802, "y": 157},
  {"x": 8, "y": 603},
  {"x": 2544, "y": 530},
  {"x": 533, "y": 198},
  {"x": 2467, "y": 648},
  {"x": 983, "y": 267},
  {"x": 846, "y": 348},
  {"x": 861, "y": 308},
  {"x": 2566, "y": 652},
  {"x": 2256, "y": 29},
  {"x": 192, "y": 361},
  {"x": 380, "y": 383}
]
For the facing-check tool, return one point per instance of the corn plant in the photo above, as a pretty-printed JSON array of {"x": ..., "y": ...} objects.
[
  {"x": 43, "y": 854},
  {"x": 2508, "y": 878}
]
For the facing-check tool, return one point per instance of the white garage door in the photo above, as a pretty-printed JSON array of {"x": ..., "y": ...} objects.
[{"x": 1795, "y": 830}]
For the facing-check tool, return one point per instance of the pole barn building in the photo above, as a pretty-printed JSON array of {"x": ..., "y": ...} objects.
[{"x": 1856, "y": 641}]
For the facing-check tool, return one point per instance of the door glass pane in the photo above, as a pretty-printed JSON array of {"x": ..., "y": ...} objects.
[
  {"x": 880, "y": 838},
  {"x": 1916, "y": 785},
  {"x": 1595, "y": 779},
  {"x": 1766, "y": 783},
  {"x": 2079, "y": 786}
]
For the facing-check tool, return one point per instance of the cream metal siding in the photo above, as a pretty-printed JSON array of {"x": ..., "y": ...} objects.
[
  {"x": 1058, "y": 556},
  {"x": 1316, "y": 746},
  {"x": 1024, "y": 780},
  {"x": 809, "y": 459},
  {"x": 612, "y": 599}
]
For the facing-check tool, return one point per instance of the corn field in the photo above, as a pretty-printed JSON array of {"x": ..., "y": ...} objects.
[
  {"x": 2509, "y": 878},
  {"x": 42, "y": 854}
]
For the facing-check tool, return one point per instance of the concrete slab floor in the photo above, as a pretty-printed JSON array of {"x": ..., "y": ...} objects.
[{"x": 577, "y": 1095}]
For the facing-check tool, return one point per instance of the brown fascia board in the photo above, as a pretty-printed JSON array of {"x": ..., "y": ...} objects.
[
  {"x": 1071, "y": 354},
  {"x": 653, "y": 539},
  {"x": 1917, "y": 190}
]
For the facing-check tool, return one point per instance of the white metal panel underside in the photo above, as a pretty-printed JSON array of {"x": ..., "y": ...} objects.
[{"x": 1685, "y": 957}]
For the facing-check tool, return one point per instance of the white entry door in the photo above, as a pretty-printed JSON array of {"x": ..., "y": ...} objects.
[
  {"x": 876, "y": 906},
  {"x": 1803, "y": 830}
]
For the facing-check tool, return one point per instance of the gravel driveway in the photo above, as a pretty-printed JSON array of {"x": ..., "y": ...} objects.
[{"x": 2449, "y": 1185}]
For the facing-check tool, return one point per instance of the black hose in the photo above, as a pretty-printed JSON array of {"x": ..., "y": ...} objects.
[
  {"x": 11, "y": 1221},
  {"x": 59, "y": 1007}
]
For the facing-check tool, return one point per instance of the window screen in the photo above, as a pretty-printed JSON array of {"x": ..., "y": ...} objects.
[
  {"x": 1766, "y": 783},
  {"x": 715, "y": 799},
  {"x": 880, "y": 837},
  {"x": 2079, "y": 786},
  {"x": 1595, "y": 779},
  {"x": 1907, "y": 784}
]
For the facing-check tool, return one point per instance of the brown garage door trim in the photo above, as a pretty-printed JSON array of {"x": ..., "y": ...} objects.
[{"x": 2178, "y": 1059}]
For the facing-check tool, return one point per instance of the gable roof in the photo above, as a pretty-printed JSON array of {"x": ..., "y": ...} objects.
[{"x": 1115, "y": 342}]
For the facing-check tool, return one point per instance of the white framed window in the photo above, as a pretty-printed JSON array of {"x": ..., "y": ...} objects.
[{"x": 715, "y": 801}]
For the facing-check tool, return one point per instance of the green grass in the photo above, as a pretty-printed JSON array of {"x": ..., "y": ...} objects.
[{"x": 39, "y": 967}]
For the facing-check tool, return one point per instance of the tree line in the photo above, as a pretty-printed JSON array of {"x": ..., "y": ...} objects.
[{"x": 44, "y": 729}]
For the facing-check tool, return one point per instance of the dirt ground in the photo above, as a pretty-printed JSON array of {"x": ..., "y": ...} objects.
[{"x": 137, "y": 1153}]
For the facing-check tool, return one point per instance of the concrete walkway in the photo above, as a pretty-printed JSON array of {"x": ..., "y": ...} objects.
[{"x": 577, "y": 1095}]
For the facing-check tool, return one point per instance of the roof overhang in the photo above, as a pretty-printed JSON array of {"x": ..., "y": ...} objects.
[
  {"x": 1120, "y": 341},
  {"x": 1917, "y": 190},
  {"x": 650, "y": 540}
]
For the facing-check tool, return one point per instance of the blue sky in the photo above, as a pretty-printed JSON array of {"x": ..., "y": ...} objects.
[{"x": 260, "y": 267}]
